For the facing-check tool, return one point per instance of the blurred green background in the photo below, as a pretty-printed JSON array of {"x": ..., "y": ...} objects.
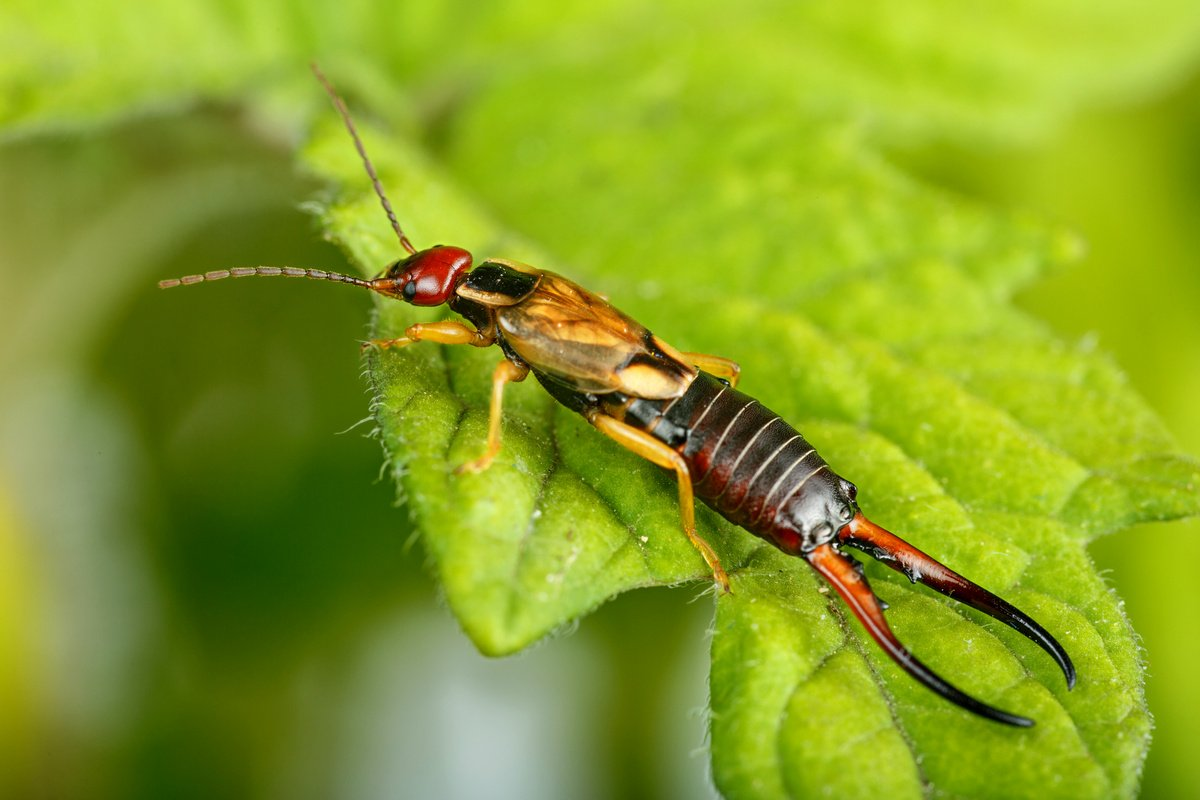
[{"x": 205, "y": 588}]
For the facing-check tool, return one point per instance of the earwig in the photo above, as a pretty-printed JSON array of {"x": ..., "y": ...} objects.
[{"x": 681, "y": 411}]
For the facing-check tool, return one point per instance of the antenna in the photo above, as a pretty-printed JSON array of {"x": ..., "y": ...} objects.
[
  {"x": 362, "y": 152},
  {"x": 269, "y": 272},
  {"x": 316, "y": 274}
]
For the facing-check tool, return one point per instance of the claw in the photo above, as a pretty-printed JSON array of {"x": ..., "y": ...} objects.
[
  {"x": 839, "y": 570},
  {"x": 384, "y": 344},
  {"x": 475, "y": 466},
  {"x": 901, "y": 556}
]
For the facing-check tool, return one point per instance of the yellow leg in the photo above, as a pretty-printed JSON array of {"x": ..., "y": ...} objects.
[
  {"x": 651, "y": 449},
  {"x": 448, "y": 332},
  {"x": 719, "y": 366},
  {"x": 506, "y": 372}
]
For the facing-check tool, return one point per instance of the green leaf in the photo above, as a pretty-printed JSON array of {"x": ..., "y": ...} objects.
[
  {"x": 864, "y": 306},
  {"x": 724, "y": 178}
]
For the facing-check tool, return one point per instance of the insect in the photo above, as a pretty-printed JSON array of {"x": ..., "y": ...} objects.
[{"x": 681, "y": 411}]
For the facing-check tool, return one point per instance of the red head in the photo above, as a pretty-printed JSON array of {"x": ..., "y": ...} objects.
[{"x": 426, "y": 278}]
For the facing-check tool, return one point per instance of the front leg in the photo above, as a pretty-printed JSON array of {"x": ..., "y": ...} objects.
[{"x": 448, "y": 332}]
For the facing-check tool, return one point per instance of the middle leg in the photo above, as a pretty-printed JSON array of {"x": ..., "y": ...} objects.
[{"x": 506, "y": 372}]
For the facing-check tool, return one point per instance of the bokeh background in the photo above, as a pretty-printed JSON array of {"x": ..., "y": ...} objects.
[{"x": 205, "y": 587}]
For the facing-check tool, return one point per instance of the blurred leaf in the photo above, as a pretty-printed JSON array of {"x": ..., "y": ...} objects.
[
  {"x": 720, "y": 177},
  {"x": 18, "y": 685}
]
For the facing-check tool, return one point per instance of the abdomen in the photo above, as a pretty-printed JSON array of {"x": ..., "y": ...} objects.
[{"x": 750, "y": 465}]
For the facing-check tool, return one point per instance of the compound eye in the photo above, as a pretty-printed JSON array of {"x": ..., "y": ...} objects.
[{"x": 410, "y": 290}]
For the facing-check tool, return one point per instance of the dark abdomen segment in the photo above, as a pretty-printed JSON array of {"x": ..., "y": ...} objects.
[{"x": 754, "y": 468}]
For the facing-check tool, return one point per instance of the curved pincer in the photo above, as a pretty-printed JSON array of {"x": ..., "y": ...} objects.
[
  {"x": 845, "y": 575},
  {"x": 901, "y": 556}
]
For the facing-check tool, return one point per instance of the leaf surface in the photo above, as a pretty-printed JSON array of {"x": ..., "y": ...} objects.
[
  {"x": 867, "y": 308},
  {"x": 724, "y": 178}
]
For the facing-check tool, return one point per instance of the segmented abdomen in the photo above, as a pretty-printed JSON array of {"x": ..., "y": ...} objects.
[
  {"x": 751, "y": 466},
  {"x": 746, "y": 462}
]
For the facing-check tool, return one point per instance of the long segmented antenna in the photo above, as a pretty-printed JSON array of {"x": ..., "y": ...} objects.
[
  {"x": 845, "y": 575},
  {"x": 265, "y": 272},
  {"x": 901, "y": 556},
  {"x": 362, "y": 152}
]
